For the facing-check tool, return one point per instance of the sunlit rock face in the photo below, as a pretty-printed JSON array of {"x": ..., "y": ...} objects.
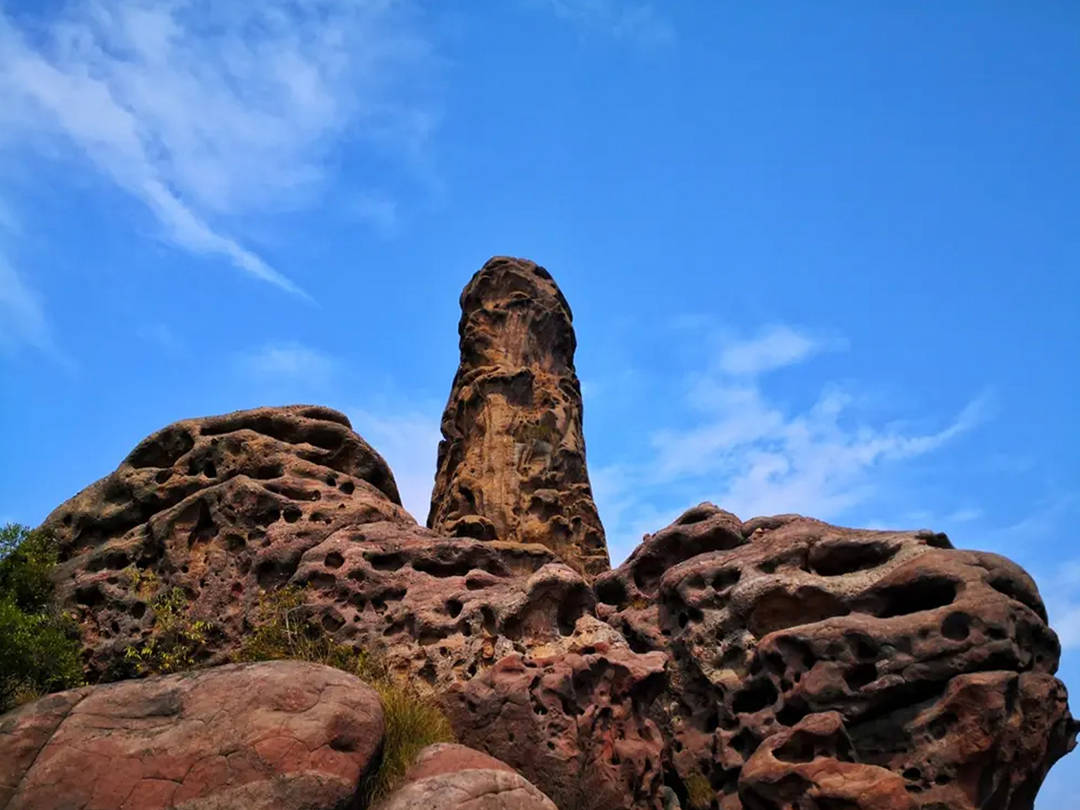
[
  {"x": 778, "y": 663},
  {"x": 816, "y": 666},
  {"x": 225, "y": 508},
  {"x": 511, "y": 464}
]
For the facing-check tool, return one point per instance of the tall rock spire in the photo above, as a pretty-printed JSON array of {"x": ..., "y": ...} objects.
[{"x": 511, "y": 463}]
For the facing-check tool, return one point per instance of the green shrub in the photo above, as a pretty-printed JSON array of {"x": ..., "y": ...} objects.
[
  {"x": 39, "y": 645},
  {"x": 176, "y": 640},
  {"x": 282, "y": 628}
]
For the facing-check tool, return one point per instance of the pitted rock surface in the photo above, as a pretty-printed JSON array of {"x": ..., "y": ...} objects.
[
  {"x": 938, "y": 663},
  {"x": 574, "y": 723},
  {"x": 262, "y": 499},
  {"x": 453, "y": 777},
  {"x": 275, "y": 736},
  {"x": 219, "y": 507},
  {"x": 511, "y": 465}
]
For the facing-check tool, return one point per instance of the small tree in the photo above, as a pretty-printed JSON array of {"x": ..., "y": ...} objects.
[{"x": 39, "y": 645}]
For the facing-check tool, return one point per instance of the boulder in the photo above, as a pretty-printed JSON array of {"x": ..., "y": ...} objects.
[
  {"x": 280, "y": 735},
  {"x": 452, "y": 777},
  {"x": 511, "y": 465},
  {"x": 219, "y": 507},
  {"x": 931, "y": 663}
]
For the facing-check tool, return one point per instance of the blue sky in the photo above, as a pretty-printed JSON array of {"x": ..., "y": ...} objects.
[{"x": 823, "y": 257}]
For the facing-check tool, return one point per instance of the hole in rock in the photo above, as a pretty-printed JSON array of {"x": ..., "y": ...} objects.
[
  {"x": 453, "y": 607},
  {"x": 956, "y": 626},
  {"x": 387, "y": 561},
  {"x": 332, "y": 622},
  {"x": 778, "y": 610},
  {"x": 725, "y": 578},
  {"x": 832, "y": 560},
  {"x": 292, "y": 513},
  {"x": 924, "y": 593},
  {"x": 754, "y": 697},
  {"x": 611, "y": 591},
  {"x": 860, "y": 675},
  {"x": 334, "y": 560},
  {"x": 322, "y": 580},
  {"x": 799, "y": 748}
]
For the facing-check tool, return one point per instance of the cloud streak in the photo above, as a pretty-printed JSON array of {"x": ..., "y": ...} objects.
[
  {"x": 746, "y": 451},
  {"x": 636, "y": 22},
  {"x": 203, "y": 111}
]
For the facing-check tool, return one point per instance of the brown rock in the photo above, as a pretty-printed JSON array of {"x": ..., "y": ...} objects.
[
  {"x": 932, "y": 658},
  {"x": 511, "y": 465},
  {"x": 453, "y": 777},
  {"x": 273, "y": 735},
  {"x": 283, "y": 503},
  {"x": 810, "y": 767},
  {"x": 574, "y": 724},
  {"x": 219, "y": 507}
]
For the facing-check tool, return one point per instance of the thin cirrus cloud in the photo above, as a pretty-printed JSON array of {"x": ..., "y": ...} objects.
[
  {"x": 635, "y": 22},
  {"x": 287, "y": 365},
  {"x": 747, "y": 451},
  {"x": 203, "y": 111}
]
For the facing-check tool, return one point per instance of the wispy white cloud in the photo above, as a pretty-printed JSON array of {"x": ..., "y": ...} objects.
[
  {"x": 22, "y": 319},
  {"x": 752, "y": 454},
  {"x": 206, "y": 110},
  {"x": 773, "y": 348},
  {"x": 636, "y": 22},
  {"x": 408, "y": 440},
  {"x": 286, "y": 364}
]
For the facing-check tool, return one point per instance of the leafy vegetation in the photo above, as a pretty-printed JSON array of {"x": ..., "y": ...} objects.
[
  {"x": 39, "y": 645},
  {"x": 176, "y": 640},
  {"x": 283, "y": 629}
]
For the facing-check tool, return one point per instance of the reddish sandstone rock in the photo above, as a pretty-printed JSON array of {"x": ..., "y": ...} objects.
[
  {"x": 260, "y": 499},
  {"x": 938, "y": 662},
  {"x": 511, "y": 464},
  {"x": 574, "y": 724},
  {"x": 811, "y": 767},
  {"x": 219, "y": 507},
  {"x": 452, "y": 777},
  {"x": 275, "y": 735}
]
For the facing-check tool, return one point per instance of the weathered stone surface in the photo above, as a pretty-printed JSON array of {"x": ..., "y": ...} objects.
[
  {"x": 219, "y": 507},
  {"x": 938, "y": 663},
  {"x": 574, "y": 724},
  {"x": 453, "y": 777},
  {"x": 282, "y": 503},
  {"x": 275, "y": 735},
  {"x": 511, "y": 465}
]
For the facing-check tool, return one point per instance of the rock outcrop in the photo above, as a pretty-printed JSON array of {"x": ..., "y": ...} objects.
[
  {"x": 511, "y": 465},
  {"x": 226, "y": 507},
  {"x": 452, "y": 777},
  {"x": 218, "y": 507},
  {"x": 773, "y": 664},
  {"x": 269, "y": 736},
  {"x": 813, "y": 664}
]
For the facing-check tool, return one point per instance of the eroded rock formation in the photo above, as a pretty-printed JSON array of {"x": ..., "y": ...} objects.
[
  {"x": 812, "y": 664},
  {"x": 773, "y": 664},
  {"x": 219, "y": 507},
  {"x": 511, "y": 464},
  {"x": 282, "y": 734},
  {"x": 226, "y": 507}
]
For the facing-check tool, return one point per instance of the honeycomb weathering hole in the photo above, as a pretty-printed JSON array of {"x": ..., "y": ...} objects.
[{"x": 834, "y": 559}]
